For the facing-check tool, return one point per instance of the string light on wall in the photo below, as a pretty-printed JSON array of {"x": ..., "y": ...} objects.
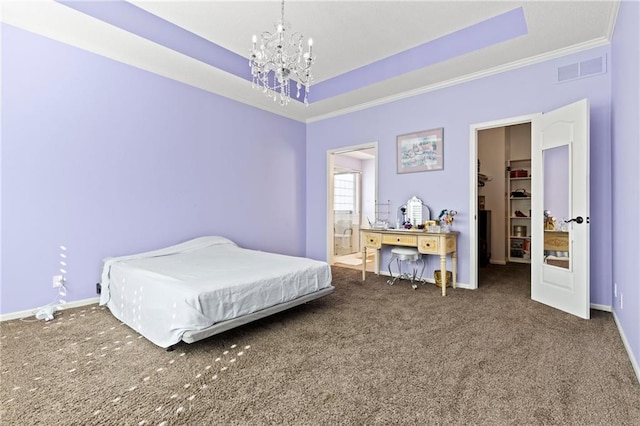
[{"x": 277, "y": 59}]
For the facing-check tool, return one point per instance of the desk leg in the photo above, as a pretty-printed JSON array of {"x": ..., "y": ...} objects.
[
  {"x": 454, "y": 261},
  {"x": 364, "y": 263},
  {"x": 443, "y": 273}
]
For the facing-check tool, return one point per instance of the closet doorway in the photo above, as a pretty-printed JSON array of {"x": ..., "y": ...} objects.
[
  {"x": 352, "y": 188},
  {"x": 503, "y": 225},
  {"x": 546, "y": 205}
]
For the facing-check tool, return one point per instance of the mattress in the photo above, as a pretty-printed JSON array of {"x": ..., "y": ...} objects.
[{"x": 191, "y": 286}]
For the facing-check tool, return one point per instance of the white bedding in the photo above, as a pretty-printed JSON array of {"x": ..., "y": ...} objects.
[{"x": 193, "y": 285}]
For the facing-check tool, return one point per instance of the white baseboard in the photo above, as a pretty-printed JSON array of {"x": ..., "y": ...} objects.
[
  {"x": 433, "y": 281},
  {"x": 597, "y": 307},
  {"x": 497, "y": 262},
  {"x": 465, "y": 286},
  {"x": 634, "y": 362},
  {"x": 31, "y": 312}
]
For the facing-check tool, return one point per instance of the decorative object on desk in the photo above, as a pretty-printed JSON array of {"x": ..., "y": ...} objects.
[
  {"x": 421, "y": 151},
  {"x": 446, "y": 219},
  {"x": 437, "y": 276},
  {"x": 383, "y": 213},
  {"x": 380, "y": 224},
  {"x": 564, "y": 225},
  {"x": 549, "y": 221},
  {"x": 405, "y": 222}
]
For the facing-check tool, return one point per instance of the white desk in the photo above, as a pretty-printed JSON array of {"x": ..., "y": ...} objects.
[{"x": 441, "y": 243}]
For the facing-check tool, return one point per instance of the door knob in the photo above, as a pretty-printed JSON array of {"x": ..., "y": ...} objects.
[{"x": 578, "y": 219}]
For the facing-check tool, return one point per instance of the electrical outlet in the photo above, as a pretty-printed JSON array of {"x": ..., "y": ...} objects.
[
  {"x": 620, "y": 301},
  {"x": 58, "y": 281}
]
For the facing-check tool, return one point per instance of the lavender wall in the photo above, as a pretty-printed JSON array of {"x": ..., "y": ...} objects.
[
  {"x": 509, "y": 94},
  {"x": 108, "y": 160},
  {"x": 625, "y": 57}
]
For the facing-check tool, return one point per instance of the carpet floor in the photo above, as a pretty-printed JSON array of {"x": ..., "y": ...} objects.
[{"x": 367, "y": 354}]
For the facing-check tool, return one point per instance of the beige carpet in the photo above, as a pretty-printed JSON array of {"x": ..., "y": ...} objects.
[{"x": 367, "y": 354}]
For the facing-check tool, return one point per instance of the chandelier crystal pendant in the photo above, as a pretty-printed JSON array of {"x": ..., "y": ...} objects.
[{"x": 278, "y": 59}]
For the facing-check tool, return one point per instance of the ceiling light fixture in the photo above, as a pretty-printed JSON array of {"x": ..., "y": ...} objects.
[{"x": 278, "y": 59}]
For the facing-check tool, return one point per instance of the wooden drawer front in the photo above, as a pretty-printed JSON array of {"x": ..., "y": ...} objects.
[
  {"x": 400, "y": 240},
  {"x": 556, "y": 241},
  {"x": 371, "y": 240},
  {"x": 428, "y": 245}
]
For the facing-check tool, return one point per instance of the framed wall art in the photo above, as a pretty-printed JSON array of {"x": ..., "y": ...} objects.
[{"x": 421, "y": 151}]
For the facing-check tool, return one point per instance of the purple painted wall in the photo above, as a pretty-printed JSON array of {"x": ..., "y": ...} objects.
[
  {"x": 108, "y": 160},
  {"x": 522, "y": 91},
  {"x": 625, "y": 88}
]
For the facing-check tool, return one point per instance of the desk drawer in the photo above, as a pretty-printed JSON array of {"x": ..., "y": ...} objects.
[
  {"x": 400, "y": 240},
  {"x": 556, "y": 241},
  {"x": 371, "y": 240},
  {"x": 429, "y": 245}
]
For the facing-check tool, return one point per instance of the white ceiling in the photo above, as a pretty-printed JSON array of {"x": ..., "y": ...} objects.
[{"x": 347, "y": 35}]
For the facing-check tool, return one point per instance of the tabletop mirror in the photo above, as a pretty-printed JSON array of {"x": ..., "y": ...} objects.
[{"x": 414, "y": 212}]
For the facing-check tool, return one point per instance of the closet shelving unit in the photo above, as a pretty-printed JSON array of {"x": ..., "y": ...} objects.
[{"x": 519, "y": 230}]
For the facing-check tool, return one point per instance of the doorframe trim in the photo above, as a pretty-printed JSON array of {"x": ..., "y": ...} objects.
[
  {"x": 329, "y": 184},
  {"x": 473, "y": 185}
]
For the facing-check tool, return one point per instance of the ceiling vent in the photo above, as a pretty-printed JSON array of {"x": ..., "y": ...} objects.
[{"x": 586, "y": 68}]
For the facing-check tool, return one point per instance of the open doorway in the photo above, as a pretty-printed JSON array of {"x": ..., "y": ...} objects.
[
  {"x": 547, "y": 205},
  {"x": 501, "y": 233},
  {"x": 352, "y": 188}
]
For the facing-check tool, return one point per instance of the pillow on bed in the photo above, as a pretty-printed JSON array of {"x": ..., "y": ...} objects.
[
  {"x": 211, "y": 240},
  {"x": 196, "y": 243}
]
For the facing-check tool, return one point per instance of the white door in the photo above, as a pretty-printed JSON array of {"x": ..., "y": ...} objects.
[{"x": 560, "y": 209}]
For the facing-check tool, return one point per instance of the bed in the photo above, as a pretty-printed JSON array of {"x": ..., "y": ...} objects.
[{"x": 205, "y": 286}]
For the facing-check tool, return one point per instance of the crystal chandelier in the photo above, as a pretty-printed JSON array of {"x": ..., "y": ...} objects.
[{"x": 278, "y": 59}]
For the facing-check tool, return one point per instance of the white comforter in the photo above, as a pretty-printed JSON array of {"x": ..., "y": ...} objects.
[{"x": 193, "y": 285}]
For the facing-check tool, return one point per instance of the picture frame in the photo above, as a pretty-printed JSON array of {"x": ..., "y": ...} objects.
[{"x": 420, "y": 151}]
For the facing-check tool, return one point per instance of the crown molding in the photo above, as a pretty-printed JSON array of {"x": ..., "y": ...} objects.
[
  {"x": 599, "y": 42},
  {"x": 613, "y": 17}
]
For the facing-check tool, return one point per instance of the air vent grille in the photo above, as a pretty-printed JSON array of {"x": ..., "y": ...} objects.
[
  {"x": 568, "y": 72},
  {"x": 586, "y": 68},
  {"x": 591, "y": 67}
]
